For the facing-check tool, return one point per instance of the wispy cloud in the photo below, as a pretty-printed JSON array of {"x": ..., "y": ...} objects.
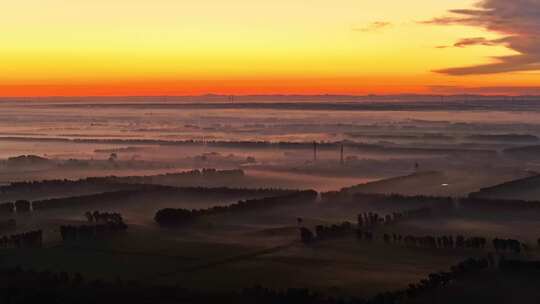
[
  {"x": 477, "y": 41},
  {"x": 496, "y": 90},
  {"x": 517, "y": 20},
  {"x": 373, "y": 27}
]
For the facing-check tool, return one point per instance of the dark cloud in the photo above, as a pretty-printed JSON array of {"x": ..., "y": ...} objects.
[
  {"x": 374, "y": 26},
  {"x": 517, "y": 20}
]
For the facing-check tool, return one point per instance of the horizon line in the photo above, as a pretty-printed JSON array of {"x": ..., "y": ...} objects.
[{"x": 214, "y": 95}]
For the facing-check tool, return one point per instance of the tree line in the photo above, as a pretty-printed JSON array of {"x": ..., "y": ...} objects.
[
  {"x": 29, "y": 239},
  {"x": 153, "y": 191},
  {"x": 333, "y": 197},
  {"x": 176, "y": 178},
  {"x": 104, "y": 224},
  {"x": 348, "y": 196},
  {"x": 436, "y": 242},
  {"x": 447, "y": 241},
  {"x": 106, "y": 217},
  {"x": 170, "y": 217},
  {"x": 101, "y": 180},
  {"x": 365, "y": 233},
  {"x": 19, "y": 206},
  {"x": 371, "y": 219},
  {"x": 365, "y": 220}
]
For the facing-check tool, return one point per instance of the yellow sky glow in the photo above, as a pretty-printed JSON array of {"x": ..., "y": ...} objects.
[{"x": 156, "y": 47}]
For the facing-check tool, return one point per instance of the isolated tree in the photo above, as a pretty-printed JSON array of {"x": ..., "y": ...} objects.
[{"x": 306, "y": 235}]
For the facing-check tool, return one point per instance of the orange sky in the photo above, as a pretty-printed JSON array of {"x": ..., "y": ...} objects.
[{"x": 167, "y": 47}]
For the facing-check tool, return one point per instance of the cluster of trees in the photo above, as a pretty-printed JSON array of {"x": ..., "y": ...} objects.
[
  {"x": 447, "y": 242},
  {"x": 105, "y": 217},
  {"x": 177, "y": 217},
  {"x": 306, "y": 236},
  {"x": 442, "y": 242},
  {"x": 366, "y": 221},
  {"x": 22, "y": 206},
  {"x": 88, "y": 232},
  {"x": 22, "y": 240},
  {"x": 326, "y": 232},
  {"x": 508, "y": 245},
  {"x": 323, "y": 232},
  {"x": 19, "y": 206},
  {"x": 370, "y": 219}
]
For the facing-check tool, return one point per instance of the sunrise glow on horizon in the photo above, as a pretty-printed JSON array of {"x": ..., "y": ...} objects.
[{"x": 166, "y": 47}]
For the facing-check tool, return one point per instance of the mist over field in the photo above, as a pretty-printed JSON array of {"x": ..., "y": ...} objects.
[
  {"x": 270, "y": 152},
  {"x": 353, "y": 200}
]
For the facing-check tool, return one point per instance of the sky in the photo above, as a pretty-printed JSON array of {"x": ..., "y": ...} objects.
[{"x": 193, "y": 47}]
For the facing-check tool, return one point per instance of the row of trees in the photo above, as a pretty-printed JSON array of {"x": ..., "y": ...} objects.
[
  {"x": 177, "y": 217},
  {"x": 370, "y": 219},
  {"x": 367, "y": 220},
  {"x": 103, "y": 217},
  {"x": 177, "y": 178},
  {"x": 326, "y": 232},
  {"x": 442, "y": 242},
  {"x": 18, "y": 187},
  {"x": 508, "y": 245},
  {"x": 350, "y": 196},
  {"x": 447, "y": 242},
  {"x": 22, "y": 240},
  {"x": 19, "y": 206},
  {"x": 142, "y": 191}
]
